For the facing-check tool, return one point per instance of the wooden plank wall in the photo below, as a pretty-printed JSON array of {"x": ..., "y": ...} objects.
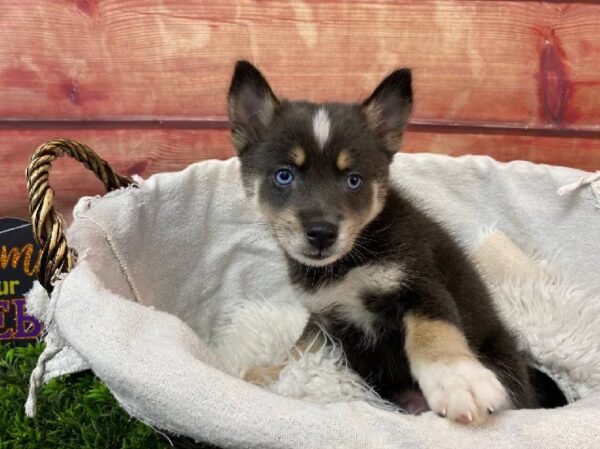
[{"x": 144, "y": 82}]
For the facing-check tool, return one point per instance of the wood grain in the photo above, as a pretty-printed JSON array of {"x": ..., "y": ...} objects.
[
  {"x": 131, "y": 151},
  {"x": 148, "y": 151},
  {"x": 144, "y": 82},
  {"x": 525, "y": 64}
]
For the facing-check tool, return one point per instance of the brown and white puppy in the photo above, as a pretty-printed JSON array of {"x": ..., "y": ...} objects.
[{"x": 381, "y": 276}]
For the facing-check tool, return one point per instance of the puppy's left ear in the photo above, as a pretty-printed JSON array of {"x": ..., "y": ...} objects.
[
  {"x": 388, "y": 108},
  {"x": 252, "y": 105}
]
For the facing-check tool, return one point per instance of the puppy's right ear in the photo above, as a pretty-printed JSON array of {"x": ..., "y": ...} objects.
[
  {"x": 388, "y": 108},
  {"x": 252, "y": 105}
]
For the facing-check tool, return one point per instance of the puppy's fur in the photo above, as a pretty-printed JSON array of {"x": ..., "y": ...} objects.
[{"x": 380, "y": 275}]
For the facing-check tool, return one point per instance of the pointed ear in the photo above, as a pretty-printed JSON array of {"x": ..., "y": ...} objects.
[
  {"x": 389, "y": 106},
  {"x": 252, "y": 105}
]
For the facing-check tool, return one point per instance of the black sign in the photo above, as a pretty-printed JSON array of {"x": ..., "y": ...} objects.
[{"x": 19, "y": 259}]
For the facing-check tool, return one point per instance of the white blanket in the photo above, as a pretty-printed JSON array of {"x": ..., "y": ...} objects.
[{"x": 179, "y": 282}]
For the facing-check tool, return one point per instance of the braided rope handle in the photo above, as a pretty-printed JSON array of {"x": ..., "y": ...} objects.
[{"x": 48, "y": 225}]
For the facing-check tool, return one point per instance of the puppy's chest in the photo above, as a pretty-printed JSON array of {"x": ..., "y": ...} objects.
[{"x": 348, "y": 298}]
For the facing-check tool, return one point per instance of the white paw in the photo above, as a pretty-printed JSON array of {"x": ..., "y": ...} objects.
[{"x": 464, "y": 391}]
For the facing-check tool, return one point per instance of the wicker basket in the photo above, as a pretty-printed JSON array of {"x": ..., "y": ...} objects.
[{"x": 48, "y": 224}]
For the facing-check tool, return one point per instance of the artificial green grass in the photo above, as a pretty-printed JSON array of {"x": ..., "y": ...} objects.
[{"x": 73, "y": 412}]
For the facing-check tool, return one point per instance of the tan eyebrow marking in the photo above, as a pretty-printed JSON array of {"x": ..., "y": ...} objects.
[
  {"x": 343, "y": 160},
  {"x": 298, "y": 156}
]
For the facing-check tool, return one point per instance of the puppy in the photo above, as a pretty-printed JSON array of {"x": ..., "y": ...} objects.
[{"x": 382, "y": 277}]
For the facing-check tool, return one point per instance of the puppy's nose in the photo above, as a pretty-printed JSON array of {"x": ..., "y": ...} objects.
[{"x": 321, "y": 234}]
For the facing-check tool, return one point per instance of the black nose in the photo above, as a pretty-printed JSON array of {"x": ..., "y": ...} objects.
[{"x": 321, "y": 234}]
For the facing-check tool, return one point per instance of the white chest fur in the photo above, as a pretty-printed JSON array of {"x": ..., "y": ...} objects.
[{"x": 346, "y": 296}]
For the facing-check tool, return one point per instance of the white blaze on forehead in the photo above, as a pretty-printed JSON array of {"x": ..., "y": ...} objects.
[{"x": 321, "y": 127}]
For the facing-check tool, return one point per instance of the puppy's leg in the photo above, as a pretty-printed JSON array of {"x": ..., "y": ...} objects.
[
  {"x": 311, "y": 340},
  {"x": 263, "y": 375},
  {"x": 510, "y": 366},
  {"x": 454, "y": 382}
]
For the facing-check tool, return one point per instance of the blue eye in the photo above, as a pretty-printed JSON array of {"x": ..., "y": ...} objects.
[
  {"x": 284, "y": 177},
  {"x": 354, "y": 181}
]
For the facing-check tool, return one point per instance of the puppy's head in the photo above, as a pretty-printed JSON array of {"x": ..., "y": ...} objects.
[{"x": 318, "y": 172}]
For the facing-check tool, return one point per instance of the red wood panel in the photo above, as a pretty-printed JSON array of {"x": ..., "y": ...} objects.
[
  {"x": 523, "y": 63},
  {"x": 147, "y": 151},
  {"x": 132, "y": 151},
  {"x": 582, "y": 153}
]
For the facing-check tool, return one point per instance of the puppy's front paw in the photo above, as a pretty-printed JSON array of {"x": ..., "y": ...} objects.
[{"x": 463, "y": 390}]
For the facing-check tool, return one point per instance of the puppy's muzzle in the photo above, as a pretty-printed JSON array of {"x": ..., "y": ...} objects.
[{"x": 321, "y": 234}]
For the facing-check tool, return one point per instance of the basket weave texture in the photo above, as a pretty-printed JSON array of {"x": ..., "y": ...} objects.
[{"x": 48, "y": 224}]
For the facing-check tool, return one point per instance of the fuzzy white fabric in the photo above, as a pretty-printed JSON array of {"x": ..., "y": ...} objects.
[
  {"x": 557, "y": 318},
  {"x": 179, "y": 286}
]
